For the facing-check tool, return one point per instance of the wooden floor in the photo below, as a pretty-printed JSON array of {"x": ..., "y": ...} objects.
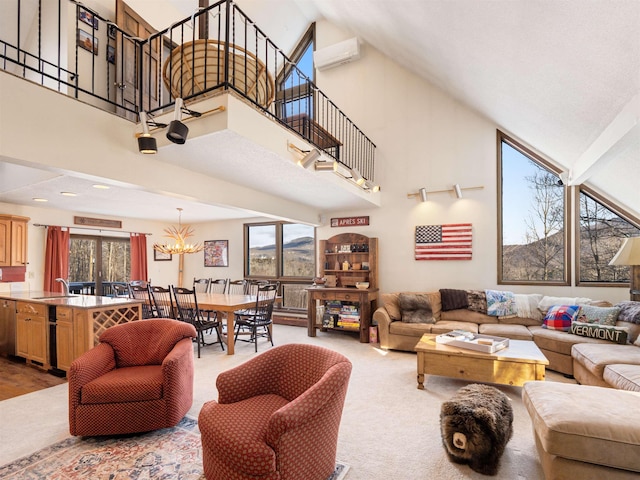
[{"x": 17, "y": 378}]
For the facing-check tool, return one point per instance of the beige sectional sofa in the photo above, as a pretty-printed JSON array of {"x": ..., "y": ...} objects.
[{"x": 556, "y": 345}]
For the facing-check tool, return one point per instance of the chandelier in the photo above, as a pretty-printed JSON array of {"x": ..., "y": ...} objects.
[{"x": 179, "y": 235}]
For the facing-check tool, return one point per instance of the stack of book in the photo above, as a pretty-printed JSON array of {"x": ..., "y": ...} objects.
[
  {"x": 331, "y": 317},
  {"x": 349, "y": 316}
]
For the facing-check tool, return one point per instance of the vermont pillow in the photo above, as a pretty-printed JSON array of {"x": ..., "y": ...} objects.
[
  {"x": 603, "y": 332},
  {"x": 453, "y": 299},
  {"x": 560, "y": 317},
  {"x": 598, "y": 315},
  {"x": 629, "y": 311},
  {"x": 415, "y": 308}
]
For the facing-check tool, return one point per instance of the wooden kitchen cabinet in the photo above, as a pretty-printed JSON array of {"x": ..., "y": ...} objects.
[
  {"x": 13, "y": 241},
  {"x": 65, "y": 349},
  {"x": 31, "y": 332}
]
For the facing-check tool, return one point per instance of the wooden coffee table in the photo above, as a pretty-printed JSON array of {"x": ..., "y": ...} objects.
[{"x": 520, "y": 362}]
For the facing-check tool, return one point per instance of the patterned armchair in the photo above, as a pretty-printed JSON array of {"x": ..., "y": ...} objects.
[
  {"x": 139, "y": 378},
  {"x": 277, "y": 416}
]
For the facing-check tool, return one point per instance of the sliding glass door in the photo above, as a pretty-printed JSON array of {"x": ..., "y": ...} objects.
[{"x": 96, "y": 263}]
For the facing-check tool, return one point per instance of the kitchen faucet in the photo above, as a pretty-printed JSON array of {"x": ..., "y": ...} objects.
[{"x": 65, "y": 285}]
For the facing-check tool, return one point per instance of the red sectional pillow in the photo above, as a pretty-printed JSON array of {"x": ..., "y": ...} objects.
[{"x": 560, "y": 317}]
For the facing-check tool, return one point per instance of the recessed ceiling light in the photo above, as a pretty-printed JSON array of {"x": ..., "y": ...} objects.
[
  {"x": 68, "y": 194},
  {"x": 102, "y": 187},
  {"x": 40, "y": 199}
]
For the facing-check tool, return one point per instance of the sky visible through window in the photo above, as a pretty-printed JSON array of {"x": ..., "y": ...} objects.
[
  {"x": 517, "y": 195},
  {"x": 264, "y": 235}
]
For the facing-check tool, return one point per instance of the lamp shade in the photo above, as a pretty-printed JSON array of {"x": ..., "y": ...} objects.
[
  {"x": 629, "y": 253},
  {"x": 147, "y": 144}
]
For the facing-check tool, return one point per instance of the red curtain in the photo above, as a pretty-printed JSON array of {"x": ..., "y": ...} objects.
[
  {"x": 56, "y": 259},
  {"x": 139, "y": 256}
]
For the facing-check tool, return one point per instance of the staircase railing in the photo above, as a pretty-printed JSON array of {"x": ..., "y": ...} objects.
[{"x": 217, "y": 49}]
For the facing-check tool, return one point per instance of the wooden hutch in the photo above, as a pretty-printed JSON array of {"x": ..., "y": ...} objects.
[{"x": 345, "y": 259}]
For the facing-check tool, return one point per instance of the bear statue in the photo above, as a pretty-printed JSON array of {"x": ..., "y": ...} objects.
[{"x": 476, "y": 424}]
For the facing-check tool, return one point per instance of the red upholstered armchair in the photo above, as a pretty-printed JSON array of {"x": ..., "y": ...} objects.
[
  {"x": 277, "y": 416},
  {"x": 139, "y": 378}
]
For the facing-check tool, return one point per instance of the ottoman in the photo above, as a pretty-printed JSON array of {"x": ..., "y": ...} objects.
[{"x": 584, "y": 432}]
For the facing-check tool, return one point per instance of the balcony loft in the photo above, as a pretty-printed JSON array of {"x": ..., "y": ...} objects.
[{"x": 260, "y": 116}]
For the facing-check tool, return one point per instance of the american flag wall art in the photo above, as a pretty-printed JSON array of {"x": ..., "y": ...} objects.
[{"x": 444, "y": 242}]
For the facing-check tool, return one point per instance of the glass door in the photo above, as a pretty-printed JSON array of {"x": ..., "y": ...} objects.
[{"x": 96, "y": 263}]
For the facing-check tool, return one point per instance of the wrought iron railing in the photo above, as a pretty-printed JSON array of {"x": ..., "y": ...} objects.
[{"x": 218, "y": 48}]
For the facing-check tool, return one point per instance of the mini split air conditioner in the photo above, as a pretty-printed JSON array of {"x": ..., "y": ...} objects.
[{"x": 337, "y": 54}]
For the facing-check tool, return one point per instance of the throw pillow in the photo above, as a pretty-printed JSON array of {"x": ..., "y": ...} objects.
[
  {"x": 603, "y": 332},
  {"x": 415, "y": 308},
  {"x": 453, "y": 299},
  {"x": 629, "y": 311},
  {"x": 560, "y": 317},
  {"x": 477, "y": 300},
  {"x": 598, "y": 315}
]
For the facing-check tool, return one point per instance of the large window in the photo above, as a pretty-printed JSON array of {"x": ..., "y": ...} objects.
[
  {"x": 295, "y": 92},
  {"x": 601, "y": 229},
  {"x": 532, "y": 219},
  {"x": 284, "y": 252}
]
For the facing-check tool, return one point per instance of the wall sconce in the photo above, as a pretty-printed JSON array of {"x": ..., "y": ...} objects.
[
  {"x": 178, "y": 131},
  {"x": 458, "y": 190},
  {"x": 422, "y": 193}
]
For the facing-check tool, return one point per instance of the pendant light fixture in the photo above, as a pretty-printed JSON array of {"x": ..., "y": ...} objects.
[{"x": 179, "y": 235}]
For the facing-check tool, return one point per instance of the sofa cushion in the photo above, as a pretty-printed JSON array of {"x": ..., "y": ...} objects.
[
  {"x": 599, "y": 315},
  {"x": 477, "y": 300},
  {"x": 390, "y": 302},
  {"x": 629, "y": 311},
  {"x": 526, "y": 321},
  {"x": 594, "y": 358},
  {"x": 570, "y": 422},
  {"x": 415, "y": 308},
  {"x": 560, "y": 317},
  {"x": 409, "y": 329},
  {"x": 444, "y": 326},
  {"x": 603, "y": 332},
  {"x": 623, "y": 377},
  {"x": 548, "y": 302},
  {"x": 464, "y": 315},
  {"x": 501, "y": 303},
  {"x": 514, "y": 332},
  {"x": 559, "y": 341},
  {"x": 453, "y": 299}
]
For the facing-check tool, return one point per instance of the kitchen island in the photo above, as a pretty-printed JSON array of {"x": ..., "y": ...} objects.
[{"x": 52, "y": 329}]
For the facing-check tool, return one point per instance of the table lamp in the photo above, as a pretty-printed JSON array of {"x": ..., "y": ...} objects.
[{"x": 629, "y": 254}]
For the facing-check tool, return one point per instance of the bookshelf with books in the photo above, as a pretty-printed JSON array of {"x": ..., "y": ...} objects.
[{"x": 346, "y": 259}]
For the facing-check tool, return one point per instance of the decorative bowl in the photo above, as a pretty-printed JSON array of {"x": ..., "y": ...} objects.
[{"x": 362, "y": 285}]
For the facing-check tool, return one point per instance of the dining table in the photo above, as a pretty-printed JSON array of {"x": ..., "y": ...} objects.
[{"x": 225, "y": 304}]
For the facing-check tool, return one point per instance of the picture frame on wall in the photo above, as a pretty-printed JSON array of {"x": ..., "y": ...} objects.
[
  {"x": 216, "y": 253},
  {"x": 111, "y": 31},
  {"x": 87, "y": 41},
  {"x": 161, "y": 257},
  {"x": 111, "y": 54},
  {"x": 88, "y": 18}
]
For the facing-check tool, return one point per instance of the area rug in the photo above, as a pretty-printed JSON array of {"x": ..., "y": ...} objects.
[{"x": 171, "y": 453}]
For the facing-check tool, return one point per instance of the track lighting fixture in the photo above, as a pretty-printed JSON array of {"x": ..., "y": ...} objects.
[
  {"x": 146, "y": 143},
  {"x": 457, "y": 189},
  {"x": 309, "y": 158},
  {"x": 178, "y": 131},
  {"x": 372, "y": 187},
  {"x": 356, "y": 177},
  {"x": 326, "y": 166}
]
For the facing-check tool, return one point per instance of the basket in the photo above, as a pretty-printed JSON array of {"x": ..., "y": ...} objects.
[{"x": 200, "y": 65}]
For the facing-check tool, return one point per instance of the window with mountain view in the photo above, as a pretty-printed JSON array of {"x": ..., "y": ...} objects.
[
  {"x": 295, "y": 92},
  {"x": 602, "y": 229},
  {"x": 533, "y": 238}
]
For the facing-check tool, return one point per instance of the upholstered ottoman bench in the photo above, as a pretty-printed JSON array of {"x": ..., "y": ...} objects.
[{"x": 583, "y": 431}]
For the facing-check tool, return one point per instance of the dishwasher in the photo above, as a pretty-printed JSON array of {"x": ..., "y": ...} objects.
[{"x": 7, "y": 327}]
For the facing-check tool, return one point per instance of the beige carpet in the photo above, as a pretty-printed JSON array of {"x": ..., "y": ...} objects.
[{"x": 389, "y": 429}]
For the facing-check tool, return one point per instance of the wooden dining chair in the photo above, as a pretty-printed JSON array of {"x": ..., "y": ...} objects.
[
  {"x": 139, "y": 292},
  {"x": 236, "y": 287},
  {"x": 121, "y": 290},
  {"x": 201, "y": 285},
  {"x": 218, "y": 285},
  {"x": 258, "y": 320},
  {"x": 188, "y": 311},
  {"x": 162, "y": 302}
]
